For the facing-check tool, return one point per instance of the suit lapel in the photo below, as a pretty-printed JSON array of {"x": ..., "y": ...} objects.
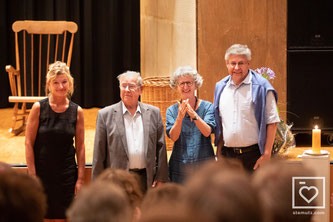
[
  {"x": 146, "y": 122},
  {"x": 119, "y": 119}
]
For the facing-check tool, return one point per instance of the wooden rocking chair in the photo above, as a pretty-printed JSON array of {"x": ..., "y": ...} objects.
[{"x": 37, "y": 44}]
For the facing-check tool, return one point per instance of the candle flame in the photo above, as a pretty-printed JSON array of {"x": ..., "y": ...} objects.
[{"x": 316, "y": 126}]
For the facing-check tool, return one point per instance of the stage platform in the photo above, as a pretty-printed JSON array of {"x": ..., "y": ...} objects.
[{"x": 12, "y": 149}]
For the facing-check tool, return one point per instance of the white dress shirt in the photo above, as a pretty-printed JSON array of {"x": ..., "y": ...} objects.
[
  {"x": 240, "y": 127},
  {"x": 134, "y": 138}
]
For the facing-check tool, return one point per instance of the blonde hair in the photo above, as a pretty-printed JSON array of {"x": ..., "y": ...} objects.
[{"x": 56, "y": 69}]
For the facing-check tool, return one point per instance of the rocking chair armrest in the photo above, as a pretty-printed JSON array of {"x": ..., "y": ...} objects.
[{"x": 10, "y": 69}]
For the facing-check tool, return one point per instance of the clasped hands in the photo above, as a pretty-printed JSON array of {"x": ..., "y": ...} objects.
[{"x": 184, "y": 107}]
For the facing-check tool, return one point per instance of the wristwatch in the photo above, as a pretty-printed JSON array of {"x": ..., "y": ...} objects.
[{"x": 196, "y": 117}]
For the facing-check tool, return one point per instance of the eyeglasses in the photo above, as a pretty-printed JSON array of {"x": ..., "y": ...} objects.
[
  {"x": 131, "y": 87},
  {"x": 240, "y": 64},
  {"x": 182, "y": 84}
]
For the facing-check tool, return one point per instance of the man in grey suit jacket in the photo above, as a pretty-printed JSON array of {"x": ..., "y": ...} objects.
[{"x": 130, "y": 135}]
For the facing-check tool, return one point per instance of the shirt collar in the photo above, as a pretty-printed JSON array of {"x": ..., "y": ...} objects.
[
  {"x": 248, "y": 78},
  {"x": 138, "y": 109}
]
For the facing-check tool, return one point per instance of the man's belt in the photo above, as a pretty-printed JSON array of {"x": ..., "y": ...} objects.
[{"x": 240, "y": 150}]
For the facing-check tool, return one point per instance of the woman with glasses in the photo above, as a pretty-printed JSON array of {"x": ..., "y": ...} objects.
[{"x": 189, "y": 124}]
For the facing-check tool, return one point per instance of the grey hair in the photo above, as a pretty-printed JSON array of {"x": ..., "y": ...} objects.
[
  {"x": 186, "y": 71},
  {"x": 131, "y": 74},
  {"x": 238, "y": 49}
]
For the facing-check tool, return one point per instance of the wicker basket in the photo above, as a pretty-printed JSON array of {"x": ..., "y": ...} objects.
[{"x": 157, "y": 92}]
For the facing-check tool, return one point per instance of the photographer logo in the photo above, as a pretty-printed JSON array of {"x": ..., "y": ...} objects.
[{"x": 308, "y": 192}]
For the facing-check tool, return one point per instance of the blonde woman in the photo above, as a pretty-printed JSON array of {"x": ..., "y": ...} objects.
[{"x": 53, "y": 124}]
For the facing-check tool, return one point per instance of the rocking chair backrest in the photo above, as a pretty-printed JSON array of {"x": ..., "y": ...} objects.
[
  {"x": 42, "y": 43},
  {"x": 37, "y": 44}
]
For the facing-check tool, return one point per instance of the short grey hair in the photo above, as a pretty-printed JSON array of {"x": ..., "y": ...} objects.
[
  {"x": 238, "y": 49},
  {"x": 131, "y": 74},
  {"x": 186, "y": 71}
]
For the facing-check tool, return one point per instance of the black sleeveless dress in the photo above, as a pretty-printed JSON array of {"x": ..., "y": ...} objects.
[{"x": 55, "y": 157}]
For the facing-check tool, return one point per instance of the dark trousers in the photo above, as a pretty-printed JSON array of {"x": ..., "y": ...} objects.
[
  {"x": 142, "y": 173},
  {"x": 247, "y": 155}
]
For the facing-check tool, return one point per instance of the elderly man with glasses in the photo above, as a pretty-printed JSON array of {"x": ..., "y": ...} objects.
[
  {"x": 130, "y": 135},
  {"x": 245, "y": 111}
]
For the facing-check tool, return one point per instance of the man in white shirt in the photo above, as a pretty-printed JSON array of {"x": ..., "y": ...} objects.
[
  {"x": 245, "y": 111},
  {"x": 130, "y": 135}
]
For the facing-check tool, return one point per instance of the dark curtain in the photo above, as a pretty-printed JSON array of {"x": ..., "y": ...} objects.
[{"x": 107, "y": 43}]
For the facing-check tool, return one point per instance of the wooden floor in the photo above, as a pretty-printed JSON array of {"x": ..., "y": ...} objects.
[{"x": 12, "y": 147}]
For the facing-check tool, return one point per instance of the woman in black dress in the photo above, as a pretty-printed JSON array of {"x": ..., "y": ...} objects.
[{"x": 53, "y": 123}]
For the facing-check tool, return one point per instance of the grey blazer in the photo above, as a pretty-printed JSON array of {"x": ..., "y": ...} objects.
[{"x": 110, "y": 147}]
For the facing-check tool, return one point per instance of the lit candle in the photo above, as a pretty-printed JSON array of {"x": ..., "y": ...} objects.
[{"x": 316, "y": 140}]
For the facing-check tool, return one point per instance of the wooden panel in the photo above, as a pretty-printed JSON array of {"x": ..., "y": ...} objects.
[{"x": 260, "y": 24}]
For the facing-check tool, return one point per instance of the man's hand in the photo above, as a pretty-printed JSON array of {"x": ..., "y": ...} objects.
[
  {"x": 156, "y": 183},
  {"x": 270, "y": 136},
  {"x": 262, "y": 160}
]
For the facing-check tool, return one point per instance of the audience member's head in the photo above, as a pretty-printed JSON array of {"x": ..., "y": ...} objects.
[
  {"x": 126, "y": 180},
  {"x": 222, "y": 191},
  {"x": 21, "y": 198},
  {"x": 129, "y": 182},
  {"x": 274, "y": 184},
  {"x": 167, "y": 193},
  {"x": 167, "y": 212},
  {"x": 100, "y": 202},
  {"x": 227, "y": 164},
  {"x": 166, "y": 203},
  {"x": 4, "y": 167}
]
